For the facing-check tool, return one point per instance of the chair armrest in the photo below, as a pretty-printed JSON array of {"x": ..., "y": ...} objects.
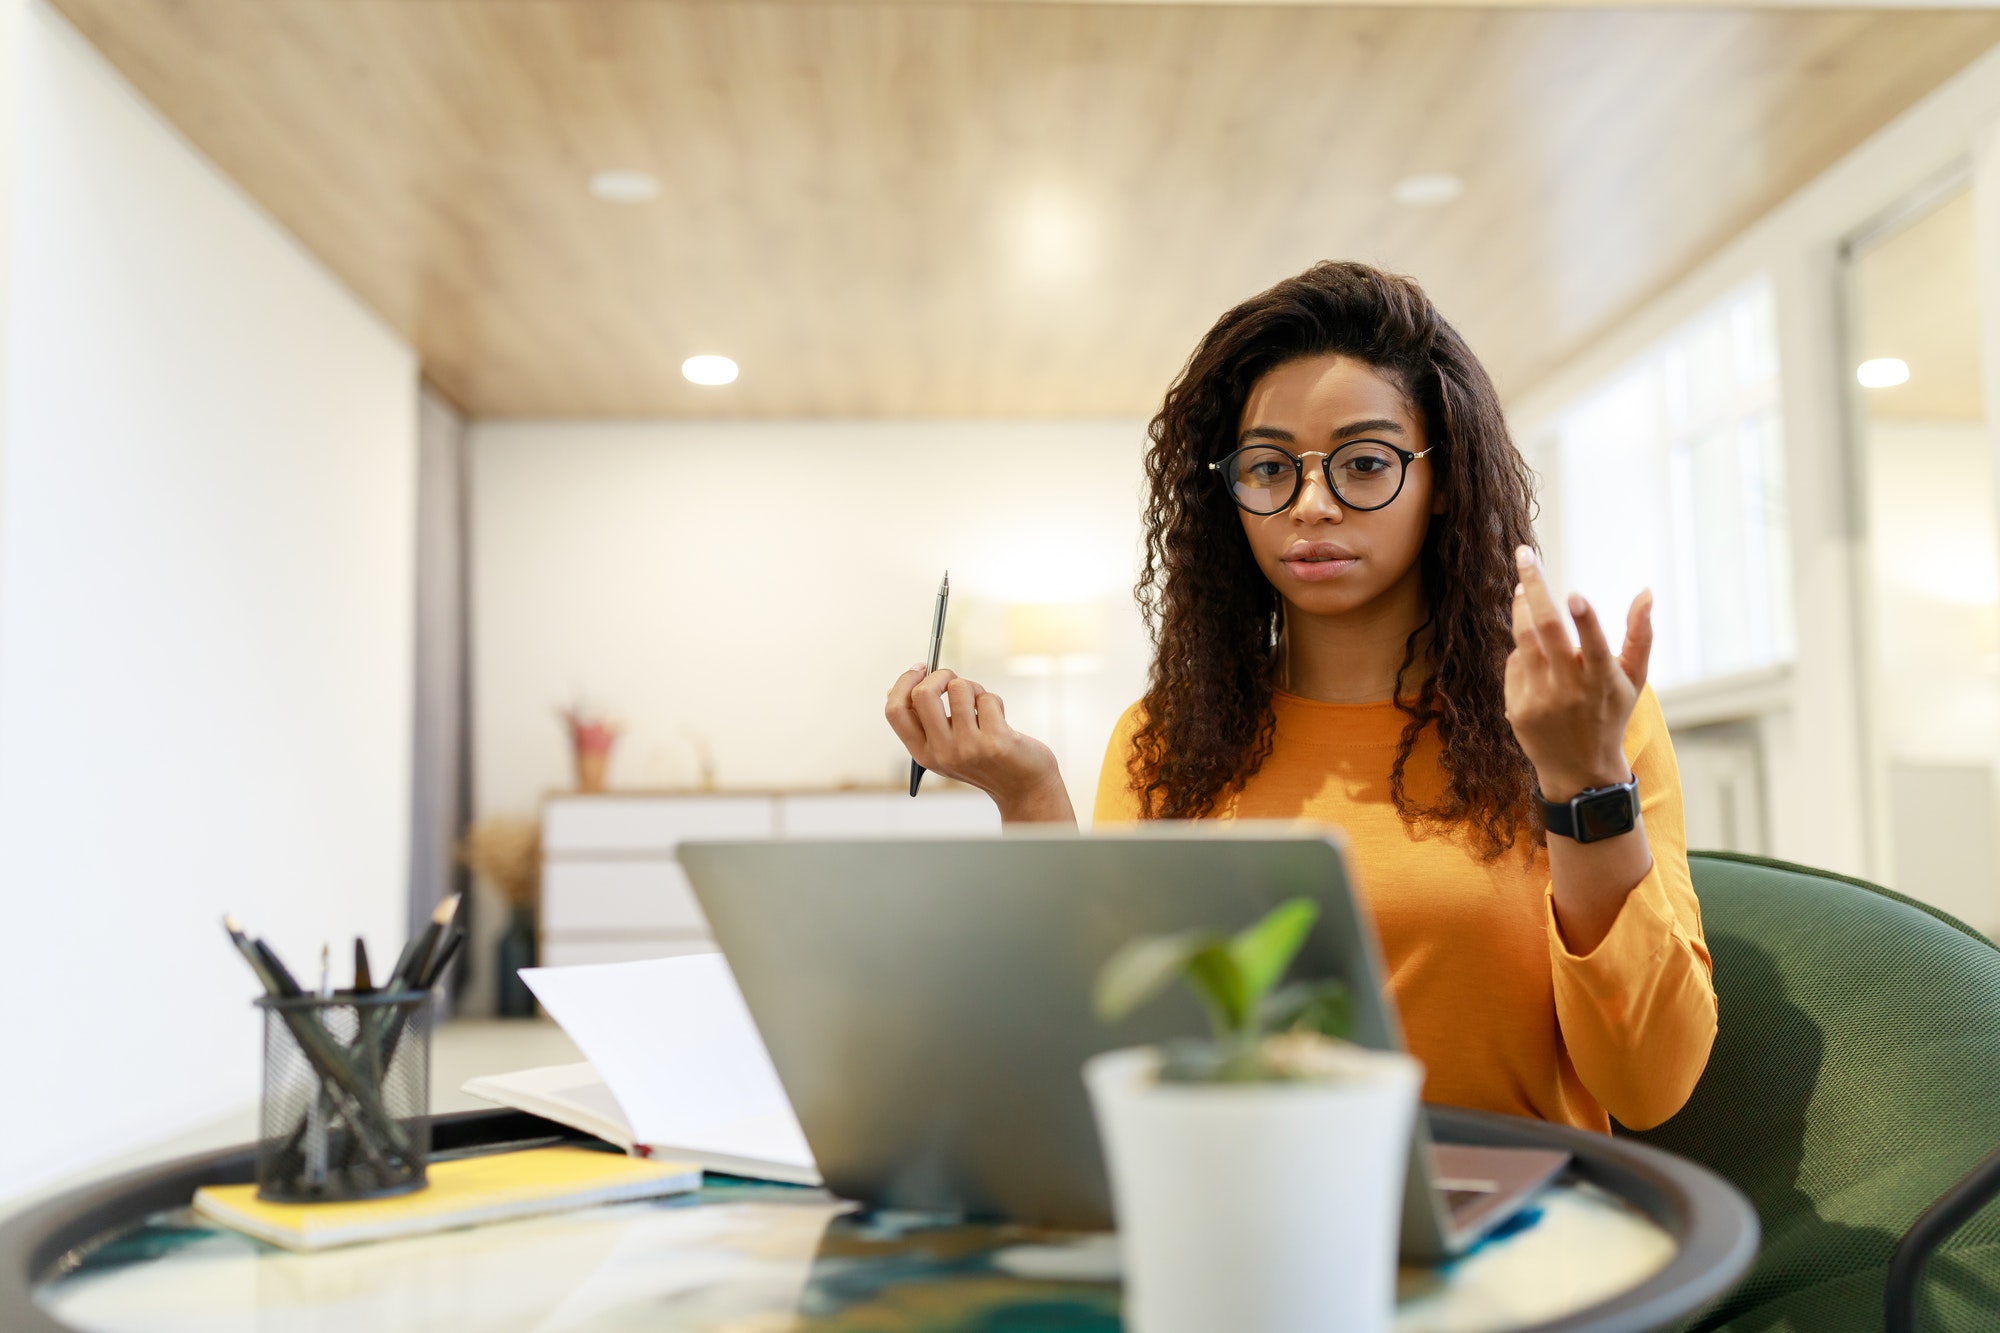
[{"x": 1953, "y": 1209}]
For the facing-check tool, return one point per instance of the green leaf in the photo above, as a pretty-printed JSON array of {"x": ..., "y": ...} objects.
[
  {"x": 1231, "y": 977},
  {"x": 1218, "y": 979},
  {"x": 1144, "y": 968},
  {"x": 1324, "y": 1006},
  {"x": 1264, "y": 950}
]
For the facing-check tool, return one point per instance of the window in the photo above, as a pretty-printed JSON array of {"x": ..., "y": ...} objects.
[{"x": 1671, "y": 475}]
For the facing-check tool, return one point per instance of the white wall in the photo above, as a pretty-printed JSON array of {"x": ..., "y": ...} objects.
[
  {"x": 759, "y": 586},
  {"x": 205, "y": 618},
  {"x": 1825, "y": 806}
]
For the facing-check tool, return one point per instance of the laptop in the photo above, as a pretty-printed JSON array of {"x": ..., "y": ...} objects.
[{"x": 927, "y": 1005}]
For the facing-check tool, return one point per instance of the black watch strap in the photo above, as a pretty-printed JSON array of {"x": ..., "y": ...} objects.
[{"x": 1593, "y": 814}]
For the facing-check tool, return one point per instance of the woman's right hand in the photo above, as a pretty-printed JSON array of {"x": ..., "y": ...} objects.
[{"x": 974, "y": 744}]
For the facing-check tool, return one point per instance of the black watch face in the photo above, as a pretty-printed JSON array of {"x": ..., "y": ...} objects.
[{"x": 1604, "y": 816}]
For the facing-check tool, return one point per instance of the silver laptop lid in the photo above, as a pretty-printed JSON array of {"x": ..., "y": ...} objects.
[{"x": 927, "y": 1003}]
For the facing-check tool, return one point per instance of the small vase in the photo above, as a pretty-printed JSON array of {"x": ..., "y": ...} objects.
[
  {"x": 590, "y": 769},
  {"x": 516, "y": 950},
  {"x": 1267, "y": 1206}
]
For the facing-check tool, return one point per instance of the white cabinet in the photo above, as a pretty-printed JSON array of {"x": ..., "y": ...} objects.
[
  {"x": 612, "y": 890},
  {"x": 583, "y": 898},
  {"x": 884, "y": 814},
  {"x": 648, "y": 826}
]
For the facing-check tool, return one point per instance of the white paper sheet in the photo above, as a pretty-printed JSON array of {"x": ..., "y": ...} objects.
[{"x": 675, "y": 1043}]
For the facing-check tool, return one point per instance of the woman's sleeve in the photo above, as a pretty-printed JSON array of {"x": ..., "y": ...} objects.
[
  {"x": 1638, "y": 1012},
  {"x": 1116, "y": 802}
]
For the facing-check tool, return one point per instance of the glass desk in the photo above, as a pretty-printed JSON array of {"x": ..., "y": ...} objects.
[{"x": 1608, "y": 1248}]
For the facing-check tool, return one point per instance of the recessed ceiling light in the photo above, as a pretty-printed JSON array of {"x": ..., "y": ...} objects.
[
  {"x": 708, "y": 370},
  {"x": 1055, "y": 235},
  {"x": 1427, "y": 189},
  {"x": 625, "y": 187},
  {"x": 1883, "y": 372}
]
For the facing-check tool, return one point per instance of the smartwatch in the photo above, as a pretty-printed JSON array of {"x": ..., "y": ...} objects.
[{"x": 1594, "y": 814}]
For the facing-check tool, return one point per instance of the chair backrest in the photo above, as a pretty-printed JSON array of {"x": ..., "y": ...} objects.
[{"x": 1855, "y": 1076}]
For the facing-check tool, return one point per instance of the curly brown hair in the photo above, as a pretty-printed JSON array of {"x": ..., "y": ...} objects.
[{"x": 1215, "y": 620}]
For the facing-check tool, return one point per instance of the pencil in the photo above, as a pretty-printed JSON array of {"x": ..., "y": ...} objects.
[{"x": 937, "y": 643}]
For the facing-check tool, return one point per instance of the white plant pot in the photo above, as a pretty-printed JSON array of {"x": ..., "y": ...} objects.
[{"x": 1257, "y": 1207}]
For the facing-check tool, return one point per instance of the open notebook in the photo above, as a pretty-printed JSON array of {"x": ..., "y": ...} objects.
[{"x": 676, "y": 1068}]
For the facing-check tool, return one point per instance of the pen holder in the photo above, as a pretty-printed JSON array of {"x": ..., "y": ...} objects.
[{"x": 346, "y": 1106}]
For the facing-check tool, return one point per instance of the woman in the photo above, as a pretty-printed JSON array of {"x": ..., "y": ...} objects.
[{"x": 1352, "y": 627}]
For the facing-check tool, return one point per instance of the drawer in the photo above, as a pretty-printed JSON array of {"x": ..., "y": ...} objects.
[
  {"x": 595, "y": 825},
  {"x": 605, "y": 897},
  {"x": 632, "y": 949},
  {"x": 886, "y": 815}
]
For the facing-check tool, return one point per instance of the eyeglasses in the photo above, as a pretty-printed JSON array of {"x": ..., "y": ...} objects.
[{"x": 1362, "y": 474}]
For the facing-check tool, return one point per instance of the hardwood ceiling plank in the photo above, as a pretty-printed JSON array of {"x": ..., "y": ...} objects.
[{"x": 990, "y": 210}]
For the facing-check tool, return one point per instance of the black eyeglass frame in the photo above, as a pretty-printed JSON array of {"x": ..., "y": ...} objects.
[{"x": 1325, "y": 468}]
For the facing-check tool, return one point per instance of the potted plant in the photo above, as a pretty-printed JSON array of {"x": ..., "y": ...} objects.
[
  {"x": 1257, "y": 1173},
  {"x": 591, "y": 736}
]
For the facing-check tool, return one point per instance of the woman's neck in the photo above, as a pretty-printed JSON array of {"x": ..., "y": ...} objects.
[{"x": 1352, "y": 657}]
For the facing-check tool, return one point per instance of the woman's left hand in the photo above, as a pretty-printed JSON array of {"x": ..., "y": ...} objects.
[{"x": 1569, "y": 705}]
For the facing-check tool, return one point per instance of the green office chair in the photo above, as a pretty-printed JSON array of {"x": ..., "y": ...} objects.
[{"x": 1855, "y": 1080}]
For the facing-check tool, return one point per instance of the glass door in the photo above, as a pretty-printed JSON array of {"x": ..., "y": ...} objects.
[{"x": 1924, "y": 497}]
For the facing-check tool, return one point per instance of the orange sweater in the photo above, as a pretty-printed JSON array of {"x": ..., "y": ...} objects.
[{"x": 1502, "y": 1014}]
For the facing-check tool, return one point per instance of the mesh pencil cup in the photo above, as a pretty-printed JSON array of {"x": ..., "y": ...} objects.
[{"x": 346, "y": 1106}]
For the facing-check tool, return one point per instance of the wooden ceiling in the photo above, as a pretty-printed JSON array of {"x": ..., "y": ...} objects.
[{"x": 990, "y": 210}]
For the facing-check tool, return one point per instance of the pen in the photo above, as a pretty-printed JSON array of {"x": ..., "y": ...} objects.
[
  {"x": 317, "y": 1045},
  {"x": 418, "y": 955},
  {"x": 937, "y": 642},
  {"x": 445, "y": 953},
  {"x": 402, "y": 963},
  {"x": 363, "y": 982},
  {"x": 251, "y": 955},
  {"x": 316, "y": 1110},
  {"x": 281, "y": 976}
]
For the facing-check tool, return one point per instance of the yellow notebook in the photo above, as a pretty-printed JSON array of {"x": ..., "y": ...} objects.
[{"x": 461, "y": 1193}]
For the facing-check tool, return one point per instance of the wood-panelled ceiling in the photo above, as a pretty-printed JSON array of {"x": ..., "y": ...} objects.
[{"x": 990, "y": 210}]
